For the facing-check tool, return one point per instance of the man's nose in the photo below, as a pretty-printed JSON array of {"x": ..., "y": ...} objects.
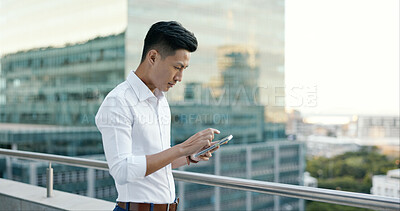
[{"x": 178, "y": 76}]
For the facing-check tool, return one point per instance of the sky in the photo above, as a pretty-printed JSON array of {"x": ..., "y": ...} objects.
[
  {"x": 348, "y": 50},
  {"x": 38, "y": 23},
  {"x": 343, "y": 53}
]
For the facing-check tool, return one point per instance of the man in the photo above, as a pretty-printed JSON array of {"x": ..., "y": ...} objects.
[{"x": 135, "y": 123}]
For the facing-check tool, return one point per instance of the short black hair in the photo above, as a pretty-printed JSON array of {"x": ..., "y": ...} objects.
[{"x": 168, "y": 36}]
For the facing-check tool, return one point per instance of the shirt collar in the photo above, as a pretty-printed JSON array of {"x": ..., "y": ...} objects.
[{"x": 141, "y": 90}]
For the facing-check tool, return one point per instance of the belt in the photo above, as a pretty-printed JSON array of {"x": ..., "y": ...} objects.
[{"x": 148, "y": 206}]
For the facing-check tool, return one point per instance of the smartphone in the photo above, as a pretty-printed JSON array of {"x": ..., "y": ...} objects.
[{"x": 220, "y": 142}]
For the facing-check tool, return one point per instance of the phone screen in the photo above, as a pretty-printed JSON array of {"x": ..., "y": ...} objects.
[{"x": 219, "y": 143}]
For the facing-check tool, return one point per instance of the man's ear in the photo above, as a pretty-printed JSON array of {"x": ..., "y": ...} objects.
[{"x": 152, "y": 56}]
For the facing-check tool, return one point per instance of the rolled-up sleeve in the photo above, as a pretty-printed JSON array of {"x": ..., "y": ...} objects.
[{"x": 114, "y": 120}]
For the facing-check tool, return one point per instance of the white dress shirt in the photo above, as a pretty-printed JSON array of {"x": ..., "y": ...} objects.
[{"x": 134, "y": 123}]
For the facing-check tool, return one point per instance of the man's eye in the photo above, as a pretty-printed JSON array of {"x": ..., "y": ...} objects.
[{"x": 178, "y": 68}]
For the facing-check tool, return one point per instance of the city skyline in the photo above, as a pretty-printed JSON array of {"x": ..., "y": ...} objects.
[
  {"x": 371, "y": 90},
  {"x": 332, "y": 61}
]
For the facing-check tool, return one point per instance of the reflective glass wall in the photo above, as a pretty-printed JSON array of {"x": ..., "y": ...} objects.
[{"x": 250, "y": 31}]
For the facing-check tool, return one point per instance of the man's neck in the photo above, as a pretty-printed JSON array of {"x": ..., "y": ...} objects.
[{"x": 143, "y": 74}]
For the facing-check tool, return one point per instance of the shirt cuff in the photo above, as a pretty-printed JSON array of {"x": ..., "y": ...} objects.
[{"x": 136, "y": 168}]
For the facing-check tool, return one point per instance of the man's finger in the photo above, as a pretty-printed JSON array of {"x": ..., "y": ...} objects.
[
  {"x": 217, "y": 131},
  {"x": 214, "y": 131},
  {"x": 204, "y": 158}
]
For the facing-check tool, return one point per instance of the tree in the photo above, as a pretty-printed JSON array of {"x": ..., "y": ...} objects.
[{"x": 351, "y": 171}]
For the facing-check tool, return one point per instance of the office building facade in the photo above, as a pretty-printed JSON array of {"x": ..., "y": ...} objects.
[
  {"x": 61, "y": 86},
  {"x": 275, "y": 161},
  {"x": 256, "y": 25},
  {"x": 51, "y": 96}
]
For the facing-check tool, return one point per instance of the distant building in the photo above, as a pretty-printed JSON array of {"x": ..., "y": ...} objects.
[
  {"x": 60, "y": 86},
  {"x": 296, "y": 127},
  {"x": 330, "y": 146},
  {"x": 378, "y": 127},
  {"x": 274, "y": 131},
  {"x": 194, "y": 92},
  {"x": 239, "y": 66},
  {"x": 387, "y": 185},
  {"x": 380, "y": 131}
]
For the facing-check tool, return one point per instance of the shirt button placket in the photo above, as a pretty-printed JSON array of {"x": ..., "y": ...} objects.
[
  {"x": 159, "y": 125},
  {"x": 161, "y": 135}
]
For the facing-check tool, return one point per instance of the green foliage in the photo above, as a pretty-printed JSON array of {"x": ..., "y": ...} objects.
[
  {"x": 366, "y": 162},
  {"x": 346, "y": 183},
  {"x": 351, "y": 171}
]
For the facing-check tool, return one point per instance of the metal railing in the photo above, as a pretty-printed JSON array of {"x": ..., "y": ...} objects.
[{"x": 295, "y": 191}]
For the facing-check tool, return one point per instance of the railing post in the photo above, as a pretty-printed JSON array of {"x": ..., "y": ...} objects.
[
  {"x": 49, "y": 181},
  {"x": 248, "y": 176},
  {"x": 91, "y": 177},
  {"x": 217, "y": 170},
  {"x": 276, "y": 175}
]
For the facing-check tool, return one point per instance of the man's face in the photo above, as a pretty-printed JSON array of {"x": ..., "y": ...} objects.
[{"x": 168, "y": 71}]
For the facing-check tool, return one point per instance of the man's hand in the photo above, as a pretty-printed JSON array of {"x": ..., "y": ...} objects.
[
  {"x": 206, "y": 156},
  {"x": 198, "y": 142}
]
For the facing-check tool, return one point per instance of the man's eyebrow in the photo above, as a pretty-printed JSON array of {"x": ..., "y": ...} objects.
[{"x": 181, "y": 64}]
